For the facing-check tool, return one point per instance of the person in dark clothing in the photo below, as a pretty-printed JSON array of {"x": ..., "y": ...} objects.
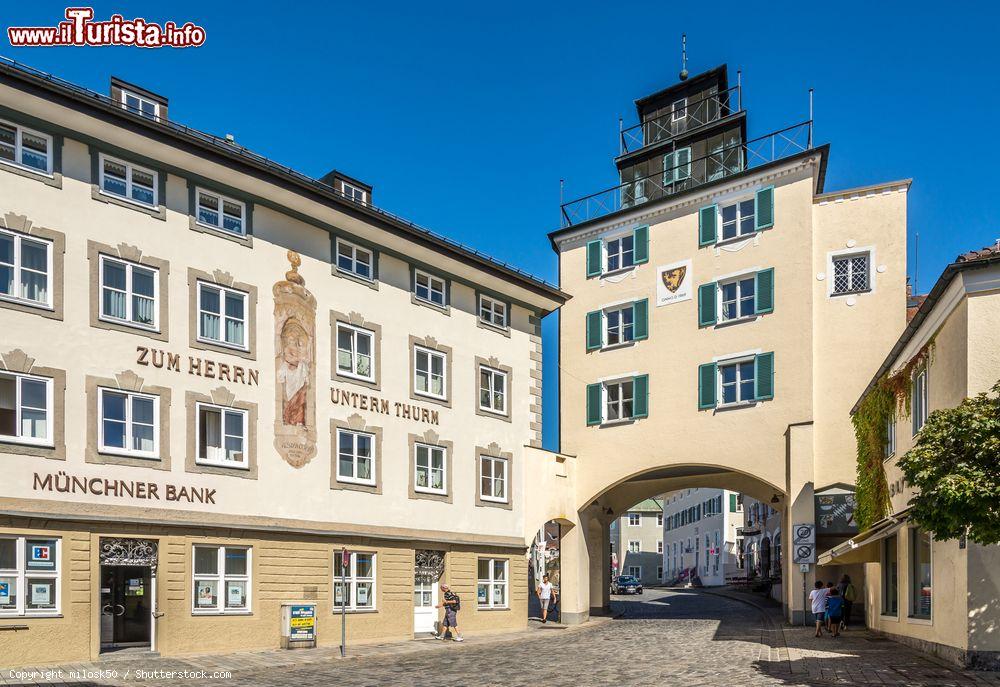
[
  {"x": 849, "y": 594},
  {"x": 834, "y": 611},
  {"x": 451, "y": 605}
]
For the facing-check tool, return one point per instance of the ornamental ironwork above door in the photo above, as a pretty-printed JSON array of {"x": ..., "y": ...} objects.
[
  {"x": 428, "y": 566},
  {"x": 122, "y": 551}
]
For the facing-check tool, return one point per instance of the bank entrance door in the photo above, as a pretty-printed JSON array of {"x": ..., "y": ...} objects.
[
  {"x": 427, "y": 570},
  {"x": 128, "y": 593},
  {"x": 126, "y": 613}
]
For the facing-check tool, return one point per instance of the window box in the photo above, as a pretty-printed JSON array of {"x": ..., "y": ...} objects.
[
  {"x": 360, "y": 591},
  {"x": 222, "y": 580},
  {"x": 26, "y": 414},
  {"x": 30, "y": 576},
  {"x": 492, "y": 581},
  {"x": 128, "y": 423}
]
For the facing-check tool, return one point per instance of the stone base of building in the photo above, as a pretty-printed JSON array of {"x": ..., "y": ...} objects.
[
  {"x": 962, "y": 658},
  {"x": 82, "y": 589}
]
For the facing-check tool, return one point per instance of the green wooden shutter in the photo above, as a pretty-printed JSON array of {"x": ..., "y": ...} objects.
[
  {"x": 706, "y": 385},
  {"x": 640, "y": 241},
  {"x": 707, "y": 304},
  {"x": 640, "y": 395},
  {"x": 764, "y": 212},
  {"x": 683, "y": 162},
  {"x": 732, "y": 503},
  {"x": 593, "y": 258},
  {"x": 595, "y": 333},
  {"x": 593, "y": 404},
  {"x": 640, "y": 319},
  {"x": 764, "y": 292},
  {"x": 707, "y": 218},
  {"x": 668, "y": 169},
  {"x": 764, "y": 376}
]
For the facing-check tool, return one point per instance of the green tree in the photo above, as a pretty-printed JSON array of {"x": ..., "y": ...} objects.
[{"x": 955, "y": 470}]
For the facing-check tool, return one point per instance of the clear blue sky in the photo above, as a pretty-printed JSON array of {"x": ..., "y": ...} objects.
[{"x": 465, "y": 115}]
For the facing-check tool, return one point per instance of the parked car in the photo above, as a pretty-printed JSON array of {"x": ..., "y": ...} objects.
[{"x": 626, "y": 584}]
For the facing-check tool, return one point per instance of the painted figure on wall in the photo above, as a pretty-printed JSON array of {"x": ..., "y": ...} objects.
[{"x": 295, "y": 367}]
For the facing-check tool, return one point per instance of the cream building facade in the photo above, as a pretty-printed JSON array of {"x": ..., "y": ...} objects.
[
  {"x": 637, "y": 542},
  {"x": 939, "y": 596},
  {"x": 219, "y": 374},
  {"x": 700, "y": 536},
  {"x": 719, "y": 295}
]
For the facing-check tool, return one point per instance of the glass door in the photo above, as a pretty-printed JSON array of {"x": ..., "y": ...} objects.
[
  {"x": 126, "y": 605},
  {"x": 425, "y": 599}
]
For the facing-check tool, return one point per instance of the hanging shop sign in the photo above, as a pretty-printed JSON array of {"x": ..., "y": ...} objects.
[{"x": 65, "y": 483}]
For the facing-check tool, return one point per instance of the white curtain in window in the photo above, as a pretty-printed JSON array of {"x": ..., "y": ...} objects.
[
  {"x": 211, "y": 423},
  {"x": 142, "y": 310},
  {"x": 234, "y": 331},
  {"x": 210, "y": 326},
  {"x": 114, "y": 304}
]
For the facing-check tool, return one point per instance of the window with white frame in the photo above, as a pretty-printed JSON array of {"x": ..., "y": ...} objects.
[
  {"x": 889, "y": 448},
  {"x": 634, "y": 546},
  {"x": 918, "y": 404},
  {"x": 29, "y": 575},
  {"x": 222, "y": 576},
  {"x": 128, "y": 181},
  {"x": 129, "y": 423},
  {"x": 736, "y": 382},
  {"x": 129, "y": 293},
  {"x": 25, "y": 269},
  {"x": 659, "y": 519},
  {"x": 619, "y": 325},
  {"x": 222, "y": 435},
  {"x": 737, "y": 298},
  {"x": 222, "y": 315},
  {"x": 620, "y": 253},
  {"x": 355, "y": 352},
  {"x": 492, "y": 390},
  {"x": 493, "y": 312},
  {"x": 429, "y": 372},
  {"x": 850, "y": 273},
  {"x": 429, "y": 469},
  {"x": 679, "y": 111},
  {"x": 659, "y": 546},
  {"x": 635, "y": 571},
  {"x": 634, "y": 519},
  {"x": 135, "y": 103},
  {"x": 25, "y": 409},
  {"x": 618, "y": 400},
  {"x": 359, "y": 593},
  {"x": 493, "y": 479},
  {"x": 355, "y": 457},
  {"x": 219, "y": 212},
  {"x": 429, "y": 288},
  {"x": 354, "y": 259},
  {"x": 738, "y": 219},
  {"x": 25, "y": 148},
  {"x": 491, "y": 587},
  {"x": 355, "y": 193}
]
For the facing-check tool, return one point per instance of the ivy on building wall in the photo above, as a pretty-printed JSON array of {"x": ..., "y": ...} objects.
[{"x": 888, "y": 400}]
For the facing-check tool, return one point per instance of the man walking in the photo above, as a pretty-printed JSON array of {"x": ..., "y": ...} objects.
[
  {"x": 546, "y": 595},
  {"x": 451, "y": 604}
]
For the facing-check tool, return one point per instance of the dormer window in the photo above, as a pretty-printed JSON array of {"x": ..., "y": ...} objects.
[
  {"x": 137, "y": 104},
  {"x": 679, "y": 110},
  {"x": 355, "y": 193}
]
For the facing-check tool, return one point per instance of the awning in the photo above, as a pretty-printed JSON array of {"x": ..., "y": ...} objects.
[{"x": 861, "y": 548}]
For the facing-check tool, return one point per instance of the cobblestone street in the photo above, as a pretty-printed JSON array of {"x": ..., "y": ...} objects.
[{"x": 664, "y": 637}]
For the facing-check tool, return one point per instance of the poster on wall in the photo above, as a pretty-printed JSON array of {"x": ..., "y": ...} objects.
[
  {"x": 234, "y": 595},
  {"x": 4, "y": 593},
  {"x": 41, "y": 556},
  {"x": 362, "y": 595},
  {"x": 673, "y": 283},
  {"x": 41, "y": 594},
  {"x": 302, "y": 623}
]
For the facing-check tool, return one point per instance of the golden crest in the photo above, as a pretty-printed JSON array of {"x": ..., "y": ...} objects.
[{"x": 673, "y": 279}]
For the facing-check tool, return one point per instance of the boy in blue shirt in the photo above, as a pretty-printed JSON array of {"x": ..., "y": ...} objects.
[{"x": 834, "y": 611}]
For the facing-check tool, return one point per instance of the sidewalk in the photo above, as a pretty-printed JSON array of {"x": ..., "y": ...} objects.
[{"x": 129, "y": 669}]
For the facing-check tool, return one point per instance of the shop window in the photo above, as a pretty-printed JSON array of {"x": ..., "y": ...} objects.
[
  {"x": 222, "y": 436},
  {"x": 359, "y": 577},
  {"x": 222, "y": 316},
  {"x": 491, "y": 589},
  {"x": 890, "y": 576},
  {"x": 129, "y": 293},
  {"x": 920, "y": 574},
  {"x": 25, "y": 269},
  {"x": 25, "y": 409},
  {"x": 29, "y": 576},
  {"x": 221, "y": 579}
]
